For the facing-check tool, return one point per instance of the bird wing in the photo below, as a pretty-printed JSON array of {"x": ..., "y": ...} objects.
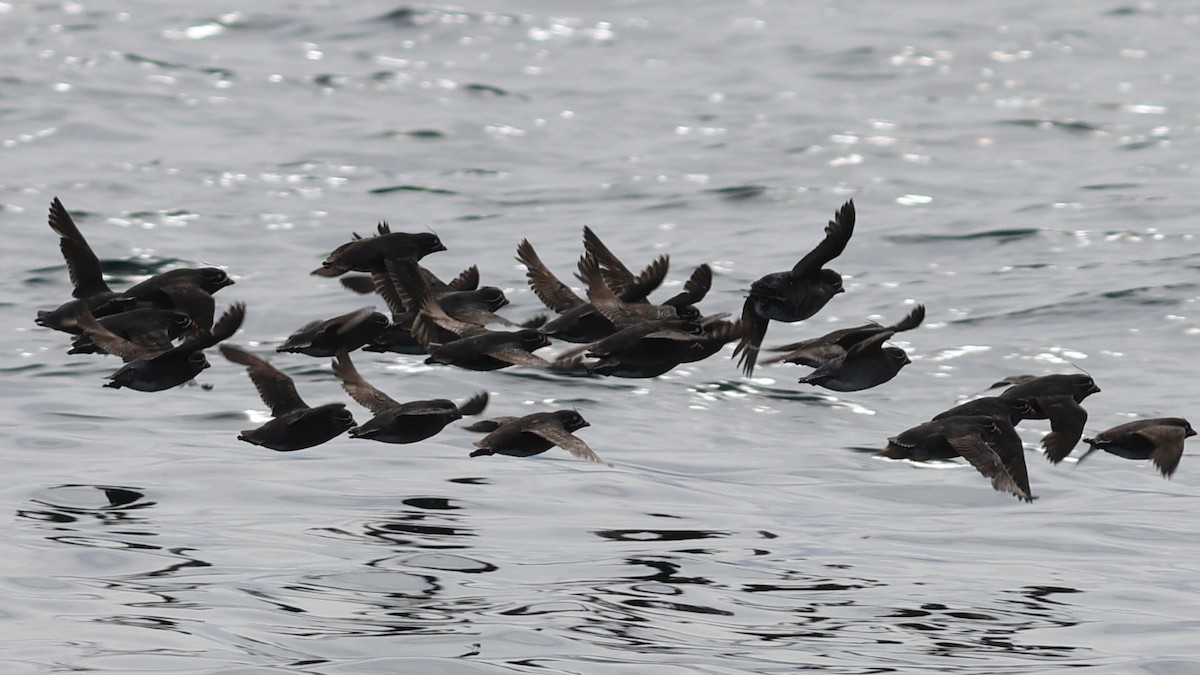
[
  {"x": 1168, "y": 446},
  {"x": 348, "y": 322},
  {"x": 567, "y": 441},
  {"x": 474, "y": 405},
  {"x": 1067, "y": 419},
  {"x": 467, "y": 280},
  {"x": 985, "y": 460},
  {"x": 837, "y": 235},
  {"x": 694, "y": 289},
  {"x": 553, "y": 293},
  {"x": 275, "y": 388},
  {"x": 362, "y": 284},
  {"x": 108, "y": 341},
  {"x": 189, "y": 298},
  {"x": 82, "y": 263},
  {"x": 518, "y": 357},
  {"x": 358, "y": 388},
  {"x": 619, "y": 278},
  {"x": 754, "y": 330}
]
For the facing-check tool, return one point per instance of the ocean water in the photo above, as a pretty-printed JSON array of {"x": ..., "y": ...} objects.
[{"x": 1025, "y": 170}]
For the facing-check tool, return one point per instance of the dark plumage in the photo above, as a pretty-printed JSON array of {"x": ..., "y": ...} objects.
[
  {"x": 1057, "y": 398},
  {"x": 652, "y": 348},
  {"x": 476, "y": 348},
  {"x": 396, "y": 422},
  {"x": 578, "y": 319},
  {"x": 296, "y": 426},
  {"x": 346, "y": 332},
  {"x": 624, "y": 283},
  {"x": 151, "y": 329},
  {"x": 149, "y": 370},
  {"x": 852, "y": 359},
  {"x": 621, "y": 313},
  {"x": 796, "y": 294},
  {"x": 533, "y": 435},
  {"x": 91, "y": 291},
  {"x": 368, "y": 254},
  {"x": 990, "y": 444},
  {"x": 1015, "y": 409},
  {"x": 186, "y": 289},
  {"x": 1159, "y": 440}
]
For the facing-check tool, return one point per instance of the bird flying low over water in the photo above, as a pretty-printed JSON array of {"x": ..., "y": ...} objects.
[
  {"x": 396, "y": 422},
  {"x": 533, "y": 434},
  {"x": 154, "y": 370},
  {"x": 295, "y": 426},
  {"x": 1056, "y": 398},
  {"x": 1159, "y": 440},
  {"x": 852, "y": 359},
  {"x": 345, "y": 332},
  {"x": 368, "y": 254},
  {"x": 796, "y": 294},
  {"x": 990, "y": 444}
]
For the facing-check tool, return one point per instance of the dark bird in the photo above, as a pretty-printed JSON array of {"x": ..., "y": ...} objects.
[
  {"x": 368, "y": 254},
  {"x": 476, "y": 348},
  {"x": 396, "y": 422},
  {"x": 624, "y": 283},
  {"x": 186, "y": 289},
  {"x": 147, "y": 370},
  {"x": 652, "y": 348},
  {"x": 796, "y": 294},
  {"x": 91, "y": 291},
  {"x": 852, "y": 359},
  {"x": 346, "y": 332},
  {"x": 621, "y": 313},
  {"x": 533, "y": 435},
  {"x": 467, "y": 280},
  {"x": 578, "y": 320},
  {"x": 1057, "y": 398},
  {"x": 152, "y": 329},
  {"x": 1159, "y": 440},
  {"x": 295, "y": 426},
  {"x": 990, "y": 444}
]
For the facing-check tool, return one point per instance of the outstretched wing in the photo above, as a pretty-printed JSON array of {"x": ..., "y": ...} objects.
[
  {"x": 275, "y": 388},
  {"x": 82, "y": 263},
  {"x": 358, "y": 388},
  {"x": 837, "y": 235}
]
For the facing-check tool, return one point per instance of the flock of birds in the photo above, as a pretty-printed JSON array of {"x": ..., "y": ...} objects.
[{"x": 162, "y": 326}]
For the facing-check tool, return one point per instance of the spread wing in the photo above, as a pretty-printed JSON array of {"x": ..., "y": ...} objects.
[
  {"x": 754, "y": 330},
  {"x": 518, "y": 357},
  {"x": 567, "y": 441},
  {"x": 275, "y": 388},
  {"x": 467, "y": 280},
  {"x": 553, "y": 293},
  {"x": 109, "y": 342},
  {"x": 82, "y": 263},
  {"x": 695, "y": 288},
  {"x": 837, "y": 235},
  {"x": 1168, "y": 446},
  {"x": 985, "y": 460},
  {"x": 1067, "y": 419},
  {"x": 358, "y": 388}
]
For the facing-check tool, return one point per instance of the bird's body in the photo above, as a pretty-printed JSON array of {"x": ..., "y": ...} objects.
[
  {"x": 296, "y": 425},
  {"x": 1159, "y": 440},
  {"x": 796, "y": 294},
  {"x": 533, "y": 434}
]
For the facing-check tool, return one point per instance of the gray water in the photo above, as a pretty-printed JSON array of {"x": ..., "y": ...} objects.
[{"x": 1026, "y": 170}]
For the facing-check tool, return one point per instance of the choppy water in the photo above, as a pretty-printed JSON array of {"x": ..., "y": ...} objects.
[{"x": 1026, "y": 170}]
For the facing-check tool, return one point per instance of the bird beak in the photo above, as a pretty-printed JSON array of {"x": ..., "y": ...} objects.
[{"x": 1190, "y": 432}]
